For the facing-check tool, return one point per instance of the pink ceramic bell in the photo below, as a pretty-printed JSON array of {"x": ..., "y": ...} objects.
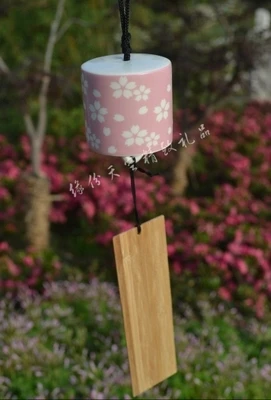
[{"x": 128, "y": 105}]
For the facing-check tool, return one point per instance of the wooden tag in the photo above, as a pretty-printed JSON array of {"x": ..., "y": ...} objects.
[{"x": 143, "y": 276}]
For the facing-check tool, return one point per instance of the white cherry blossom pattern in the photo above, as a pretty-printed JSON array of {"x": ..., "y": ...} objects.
[
  {"x": 123, "y": 88},
  {"x": 143, "y": 110},
  {"x": 84, "y": 84},
  {"x": 142, "y": 93},
  {"x": 118, "y": 117},
  {"x": 134, "y": 136},
  {"x": 96, "y": 93},
  {"x": 97, "y": 112},
  {"x": 88, "y": 134},
  {"x": 112, "y": 150},
  {"x": 168, "y": 87},
  {"x": 107, "y": 131},
  {"x": 94, "y": 141},
  {"x": 152, "y": 139},
  {"x": 169, "y": 130},
  {"x": 162, "y": 110}
]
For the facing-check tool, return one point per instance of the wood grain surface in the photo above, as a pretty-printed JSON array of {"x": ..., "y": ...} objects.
[{"x": 143, "y": 276}]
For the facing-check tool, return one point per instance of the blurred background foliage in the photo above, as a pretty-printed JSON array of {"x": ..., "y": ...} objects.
[
  {"x": 218, "y": 226},
  {"x": 209, "y": 45}
]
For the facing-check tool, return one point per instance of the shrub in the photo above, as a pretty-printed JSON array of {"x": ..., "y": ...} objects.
[{"x": 219, "y": 232}]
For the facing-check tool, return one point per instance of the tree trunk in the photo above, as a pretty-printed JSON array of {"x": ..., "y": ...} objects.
[
  {"x": 36, "y": 153},
  {"x": 38, "y": 199},
  {"x": 38, "y": 204},
  {"x": 184, "y": 163}
]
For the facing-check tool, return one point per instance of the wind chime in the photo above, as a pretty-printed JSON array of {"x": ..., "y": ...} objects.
[{"x": 128, "y": 107}]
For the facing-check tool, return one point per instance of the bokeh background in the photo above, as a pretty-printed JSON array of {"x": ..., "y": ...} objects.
[{"x": 61, "y": 330}]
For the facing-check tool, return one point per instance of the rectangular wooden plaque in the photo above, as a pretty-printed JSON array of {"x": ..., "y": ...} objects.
[{"x": 143, "y": 276}]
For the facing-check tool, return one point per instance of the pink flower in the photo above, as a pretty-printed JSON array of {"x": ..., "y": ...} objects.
[
  {"x": 110, "y": 208},
  {"x": 83, "y": 156},
  {"x": 209, "y": 228},
  {"x": 52, "y": 159},
  {"x": 4, "y": 193},
  {"x": 13, "y": 172},
  {"x": 4, "y": 246},
  {"x": 12, "y": 268},
  {"x": 265, "y": 265},
  {"x": 28, "y": 261},
  {"x": 32, "y": 281},
  {"x": 57, "y": 215},
  {"x": 84, "y": 146},
  {"x": 228, "y": 258},
  {"x": 123, "y": 225},
  {"x": 105, "y": 238},
  {"x": 232, "y": 220},
  {"x": 89, "y": 209},
  {"x": 225, "y": 294},
  {"x": 160, "y": 197},
  {"x": 177, "y": 267},
  {"x": 235, "y": 248},
  {"x": 169, "y": 227},
  {"x": 171, "y": 248},
  {"x": 25, "y": 143},
  {"x": 229, "y": 145},
  {"x": 10, "y": 169},
  {"x": 55, "y": 176},
  {"x": 238, "y": 236},
  {"x": 210, "y": 259},
  {"x": 258, "y": 285},
  {"x": 249, "y": 302},
  {"x": 36, "y": 271},
  {"x": 242, "y": 266},
  {"x": 9, "y": 284},
  {"x": 194, "y": 208},
  {"x": 218, "y": 118},
  {"x": 201, "y": 248}
]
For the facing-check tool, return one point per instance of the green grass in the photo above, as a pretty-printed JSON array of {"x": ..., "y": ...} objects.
[{"x": 70, "y": 343}]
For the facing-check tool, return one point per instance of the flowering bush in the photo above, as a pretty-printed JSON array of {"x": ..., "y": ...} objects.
[
  {"x": 22, "y": 269},
  {"x": 97, "y": 214},
  {"x": 230, "y": 211},
  {"x": 69, "y": 344},
  {"x": 219, "y": 232}
]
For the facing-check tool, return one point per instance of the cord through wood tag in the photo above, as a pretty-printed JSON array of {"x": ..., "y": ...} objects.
[{"x": 144, "y": 284}]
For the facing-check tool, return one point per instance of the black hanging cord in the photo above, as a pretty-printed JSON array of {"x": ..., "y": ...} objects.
[
  {"x": 132, "y": 176},
  {"x": 124, "y": 9},
  {"x": 132, "y": 168},
  {"x": 144, "y": 171}
]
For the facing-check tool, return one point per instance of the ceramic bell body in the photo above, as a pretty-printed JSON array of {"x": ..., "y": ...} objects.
[{"x": 128, "y": 104}]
